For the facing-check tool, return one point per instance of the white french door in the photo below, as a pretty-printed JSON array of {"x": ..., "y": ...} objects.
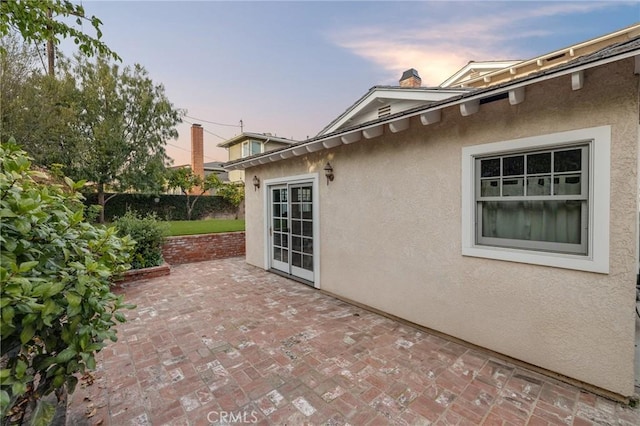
[{"x": 291, "y": 229}]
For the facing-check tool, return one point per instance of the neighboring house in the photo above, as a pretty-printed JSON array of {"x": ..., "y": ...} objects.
[
  {"x": 249, "y": 144},
  {"x": 216, "y": 167},
  {"x": 505, "y": 216}
]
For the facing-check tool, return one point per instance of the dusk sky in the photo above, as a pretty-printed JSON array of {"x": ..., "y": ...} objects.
[{"x": 289, "y": 68}]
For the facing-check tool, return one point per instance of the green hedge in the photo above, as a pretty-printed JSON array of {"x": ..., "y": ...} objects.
[{"x": 167, "y": 207}]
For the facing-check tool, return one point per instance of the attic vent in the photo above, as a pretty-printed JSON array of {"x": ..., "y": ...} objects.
[
  {"x": 494, "y": 98},
  {"x": 553, "y": 58},
  {"x": 384, "y": 111}
]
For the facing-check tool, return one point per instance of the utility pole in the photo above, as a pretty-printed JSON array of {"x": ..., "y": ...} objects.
[{"x": 241, "y": 126}]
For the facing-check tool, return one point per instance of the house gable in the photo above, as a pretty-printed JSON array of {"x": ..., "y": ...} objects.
[{"x": 383, "y": 101}]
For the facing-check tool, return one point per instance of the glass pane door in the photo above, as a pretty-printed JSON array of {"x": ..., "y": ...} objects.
[
  {"x": 291, "y": 234},
  {"x": 279, "y": 228},
  {"x": 302, "y": 231}
]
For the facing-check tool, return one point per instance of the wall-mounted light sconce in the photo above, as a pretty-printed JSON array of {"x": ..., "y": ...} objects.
[
  {"x": 256, "y": 183},
  {"x": 328, "y": 172}
]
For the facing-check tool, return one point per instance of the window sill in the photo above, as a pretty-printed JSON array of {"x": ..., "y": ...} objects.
[{"x": 557, "y": 260}]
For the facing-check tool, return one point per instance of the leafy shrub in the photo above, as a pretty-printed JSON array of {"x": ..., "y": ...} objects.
[
  {"x": 148, "y": 234},
  {"x": 92, "y": 213},
  {"x": 232, "y": 192},
  {"x": 55, "y": 269}
]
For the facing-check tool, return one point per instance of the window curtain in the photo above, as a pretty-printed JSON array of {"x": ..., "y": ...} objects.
[{"x": 553, "y": 221}]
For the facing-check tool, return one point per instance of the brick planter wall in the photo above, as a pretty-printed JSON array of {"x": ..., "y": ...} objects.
[
  {"x": 143, "y": 274},
  {"x": 196, "y": 248}
]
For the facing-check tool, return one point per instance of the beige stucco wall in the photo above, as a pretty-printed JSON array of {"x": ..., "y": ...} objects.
[
  {"x": 235, "y": 152},
  {"x": 390, "y": 233}
]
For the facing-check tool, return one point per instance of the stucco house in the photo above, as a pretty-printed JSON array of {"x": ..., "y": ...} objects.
[
  {"x": 505, "y": 216},
  {"x": 247, "y": 144}
]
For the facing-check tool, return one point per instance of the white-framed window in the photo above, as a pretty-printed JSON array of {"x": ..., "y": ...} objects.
[
  {"x": 541, "y": 200},
  {"x": 250, "y": 148},
  {"x": 536, "y": 200}
]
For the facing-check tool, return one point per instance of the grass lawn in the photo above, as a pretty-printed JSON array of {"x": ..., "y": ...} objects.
[{"x": 210, "y": 226}]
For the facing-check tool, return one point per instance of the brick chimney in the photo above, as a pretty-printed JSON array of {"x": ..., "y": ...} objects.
[
  {"x": 410, "y": 78},
  {"x": 197, "y": 150},
  {"x": 197, "y": 153}
]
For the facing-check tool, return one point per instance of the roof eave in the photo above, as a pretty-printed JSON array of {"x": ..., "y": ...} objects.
[{"x": 373, "y": 128}]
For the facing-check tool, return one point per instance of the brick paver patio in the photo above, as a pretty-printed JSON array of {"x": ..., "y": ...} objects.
[{"x": 222, "y": 342}]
